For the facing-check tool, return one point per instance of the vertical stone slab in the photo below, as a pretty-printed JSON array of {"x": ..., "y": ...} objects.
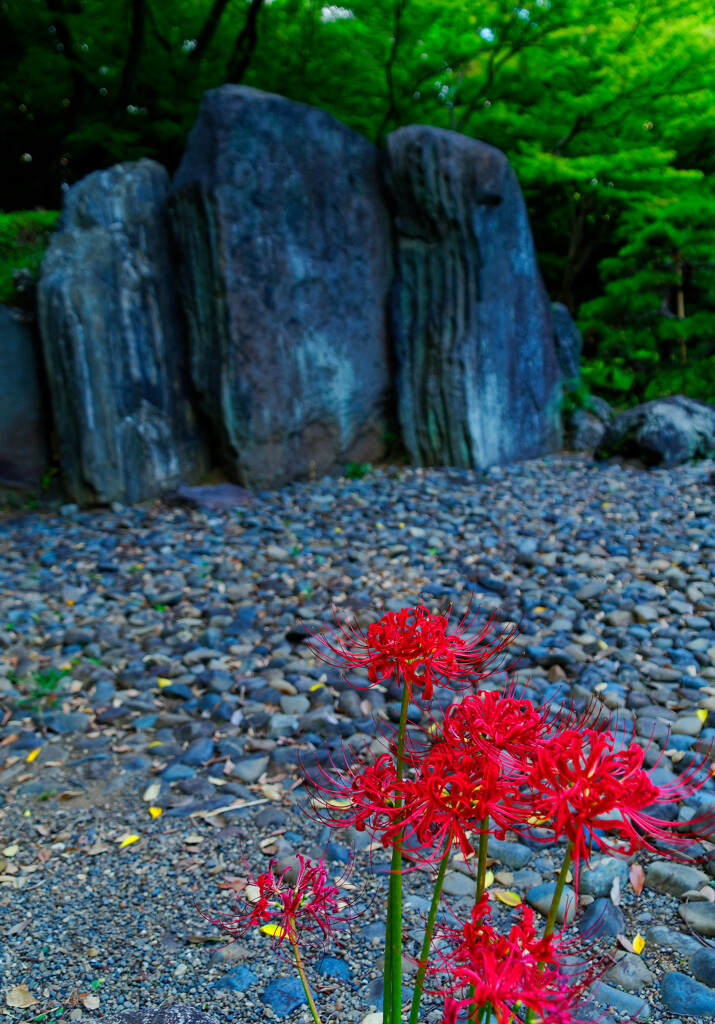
[
  {"x": 285, "y": 241},
  {"x": 114, "y": 342},
  {"x": 477, "y": 375}
]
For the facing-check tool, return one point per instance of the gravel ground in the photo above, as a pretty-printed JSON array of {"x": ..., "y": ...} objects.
[{"x": 155, "y": 656}]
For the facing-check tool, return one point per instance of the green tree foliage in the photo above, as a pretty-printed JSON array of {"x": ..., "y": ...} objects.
[{"x": 605, "y": 107}]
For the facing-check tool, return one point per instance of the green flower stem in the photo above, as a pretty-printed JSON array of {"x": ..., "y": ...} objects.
[
  {"x": 301, "y": 972},
  {"x": 429, "y": 931},
  {"x": 395, "y": 890},
  {"x": 553, "y": 909},
  {"x": 387, "y": 970},
  {"x": 560, "y": 883},
  {"x": 395, "y": 898},
  {"x": 482, "y": 863},
  {"x": 481, "y": 886}
]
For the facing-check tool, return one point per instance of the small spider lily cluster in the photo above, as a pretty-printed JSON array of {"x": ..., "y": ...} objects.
[{"x": 492, "y": 763}]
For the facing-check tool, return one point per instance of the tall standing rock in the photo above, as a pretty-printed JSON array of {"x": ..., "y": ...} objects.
[
  {"x": 114, "y": 341},
  {"x": 286, "y": 246},
  {"x": 478, "y": 378}
]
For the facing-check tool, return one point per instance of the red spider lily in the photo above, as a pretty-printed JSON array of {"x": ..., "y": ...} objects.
[
  {"x": 505, "y": 970},
  {"x": 305, "y": 912},
  {"x": 411, "y": 646},
  {"x": 584, "y": 787},
  {"x": 493, "y": 721},
  {"x": 364, "y": 797},
  {"x": 454, "y": 790}
]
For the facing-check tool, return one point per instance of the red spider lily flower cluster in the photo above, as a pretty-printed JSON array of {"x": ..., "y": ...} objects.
[
  {"x": 494, "y": 764},
  {"x": 413, "y": 647},
  {"x": 584, "y": 788},
  {"x": 507, "y": 972},
  {"x": 306, "y": 910}
]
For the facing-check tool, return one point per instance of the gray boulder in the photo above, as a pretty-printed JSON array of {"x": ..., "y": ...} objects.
[
  {"x": 477, "y": 374},
  {"x": 23, "y": 427},
  {"x": 569, "y": 343},
  {"x": 285, "y": 240},
  {"x": 586, "y": 427},
  {"x": 113, "y": 341},
  {"x": 664, "y": 432}
]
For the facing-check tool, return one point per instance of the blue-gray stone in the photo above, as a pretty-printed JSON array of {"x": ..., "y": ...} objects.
[
  {"x": 333, "y": 967},
  {"x": 284, "y": 995},
  {"x": 125, "y": 426},
  {"x": 599, "y": 879},
  {"x": 63, "y": 722},
  {"x": 682, "y": 994},
  {"x": 178, "y": 771},
  {"x": 180, "y": 690},
  {"x": 144, "y": 722},
  {"x": 602, "y": 917},
  {"x": 624, "y": 1002},
  {"x": 514, "y": 855},
  {"x": 702, "y": 965},
  {"x": 200, "y": 751},
  {"x": 540, "y": 897},
  {"x": 334, "y": 851},
  {"x": 237, "y": 980}
]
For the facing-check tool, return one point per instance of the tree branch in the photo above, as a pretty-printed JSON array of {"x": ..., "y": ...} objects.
[
  {"x": 245, "y": 44},
  {"x": 208, "y": 30}
]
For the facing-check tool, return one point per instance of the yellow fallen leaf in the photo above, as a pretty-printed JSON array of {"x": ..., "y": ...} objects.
[
  {"x": 127, "y": 841},
  {"x": 156, "y": 812},
  {"x": 20, "y": 996},
  {"x": 539, "y": 609},
  {"x": 273, "y": 930},
  {"x": 33, "y": 754},
  {"x": 509, "y": 898},
  {"x": 702, "y": 714},
  {"x": 163, "y": 682},
  {"x": 488, "y": 879},
  {"x": 155, "y": 743},
  {"x": 11, "y": 851},
  {"x": 638, "y": 943},
  {"x": 316, "y": 686}
]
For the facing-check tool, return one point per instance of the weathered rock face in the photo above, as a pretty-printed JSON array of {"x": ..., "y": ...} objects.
[
  {"x": 478, "y": 378},
  {"x": 112, "y": 338},
  {"x": 23, "y": 437},
  {"x": 286, "y": 247},
  {"x": 569, "y": 343},
  {"x": 664, "y": 432}
]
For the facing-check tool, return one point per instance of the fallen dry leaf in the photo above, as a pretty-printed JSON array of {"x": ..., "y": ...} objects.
[
  {"x": 636, "y": 877},
  {"x": 616, "y": 892},
  {"x": 708, "y": 892},
  {"x": 20, "y": 996},
  {"x": 626, "y": 944},
  {"x": 91, "y": 1002},
  {"x": 97, "y": 847},
  {"x": 13, "y": 883},
  {"x": 151, "y": 793},
  {"x": 273, "y": 793}
]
